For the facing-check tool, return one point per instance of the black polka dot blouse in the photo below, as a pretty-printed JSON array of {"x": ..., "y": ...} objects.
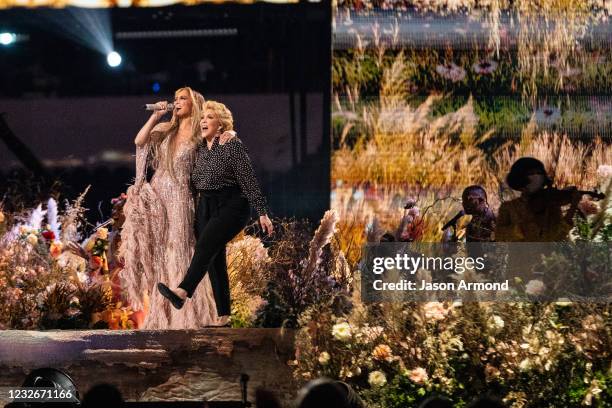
[{"x": 227, "y": 165}]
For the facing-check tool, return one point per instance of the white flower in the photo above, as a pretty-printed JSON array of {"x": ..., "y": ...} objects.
[
  {"x": 342, "y": 331},
  {"x": 377, "y": 379},
  {"x": 82, "y": 276},
  {"x": 451, "y": 71},
  {"x": 593, "y": 391},
  {"x": 562, "y": 302},
  {"x": 534, "y": 287},
  {"x": 496, "y": 323},
  {"x": 525, "y": 365},
  {"x": 50, "y": 288},
  {"x": 547, "y": 115},
  {"x": 324, "y": 358},
  {"x": 485, "y": 67},
  {"x": 40, "y": 299},
  {"x": 418, "y": 375},
  {"x": 72, "y": 311},
  {"x": 32, "y": 239},
  {"x": 604, "y": 171}
]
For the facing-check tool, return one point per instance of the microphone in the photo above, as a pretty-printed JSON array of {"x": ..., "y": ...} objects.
[
  {"x": 454, "y": 220},
  {"x": 154, "y": 107}
]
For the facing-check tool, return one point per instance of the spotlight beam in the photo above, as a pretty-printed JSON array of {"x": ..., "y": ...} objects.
[
  {"x": 88, "y": 27},
  {"x": 98, "y": 27}
]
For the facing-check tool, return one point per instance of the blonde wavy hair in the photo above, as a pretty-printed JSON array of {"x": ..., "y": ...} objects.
[
  {"x": 224, "y": 115},
  {"x": 163, "y": 158}
]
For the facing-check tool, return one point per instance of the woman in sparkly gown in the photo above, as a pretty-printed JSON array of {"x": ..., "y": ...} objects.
[{"x": 158, "y": 234}]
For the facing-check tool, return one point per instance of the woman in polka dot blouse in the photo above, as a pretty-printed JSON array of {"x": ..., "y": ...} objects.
[{"x": 226, "y": 183}]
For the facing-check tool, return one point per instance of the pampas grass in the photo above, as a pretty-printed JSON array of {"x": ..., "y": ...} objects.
[
  {"x": 321, "y": 238},
  {"x": 53, "y": 218},
  {"x": 36, "y": 218},
  {"x": 72, "y": 218},
  {"x": 248, "y": 266}
]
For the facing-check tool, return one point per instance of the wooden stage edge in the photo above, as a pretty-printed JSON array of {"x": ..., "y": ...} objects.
[{"x": 155, "y": 365}]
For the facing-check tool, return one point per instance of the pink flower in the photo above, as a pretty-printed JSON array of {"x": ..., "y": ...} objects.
[
  {"x": 418, "y": 375},
  {"x": 588, "y": 207},
  {"x": 451, "y": 72},
  {"x": 435, "y": 310},
  {"x": 414, "y": 212}
]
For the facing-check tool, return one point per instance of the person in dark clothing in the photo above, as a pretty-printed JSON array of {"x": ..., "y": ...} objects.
[
  {"x": 226, "y": 183},
  {"x": 537, "y": 215},
  {"x": 482, "y": 225}
]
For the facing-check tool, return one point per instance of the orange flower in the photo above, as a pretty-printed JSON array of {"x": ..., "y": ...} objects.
[
  {"x": 102, "y": 233},
  {"x": 382, "y": 352},
  {"x": 97, "y": 261},
  {"x": 55, "y": 249}
]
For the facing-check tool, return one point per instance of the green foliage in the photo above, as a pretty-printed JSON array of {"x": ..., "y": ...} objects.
[
  {"x": 355, "y": 71},
  {"x": 276, "y": 312},
  {"x": 240, "y": 316}
]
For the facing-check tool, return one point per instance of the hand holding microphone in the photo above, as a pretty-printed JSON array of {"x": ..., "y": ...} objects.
[
  {"x": 454, "y": 220},
  {"x": 160, "y": 108}
]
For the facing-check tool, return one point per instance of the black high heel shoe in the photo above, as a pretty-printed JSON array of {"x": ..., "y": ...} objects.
[{"x": 165, "y": 291}]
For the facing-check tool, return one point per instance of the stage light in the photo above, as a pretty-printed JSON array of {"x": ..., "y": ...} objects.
[
  {"x": 7, "y": 38},
  {"x": 114, "y": 59},
  {"x": 156, "y": 87}
]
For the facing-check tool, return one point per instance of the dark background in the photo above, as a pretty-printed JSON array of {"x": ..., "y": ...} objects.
[{"x": 69, "y": 120}]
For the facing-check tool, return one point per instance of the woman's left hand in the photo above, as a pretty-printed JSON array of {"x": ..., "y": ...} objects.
[
  {"x": 226, "y": 137},
  {"x": 266, "y": 224}
]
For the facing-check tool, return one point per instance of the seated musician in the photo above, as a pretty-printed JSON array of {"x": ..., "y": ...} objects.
[{"x": 537, "y": 215}]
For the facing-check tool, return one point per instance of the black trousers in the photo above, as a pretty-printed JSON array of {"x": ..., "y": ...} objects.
[{"x": 220, "y": 216}]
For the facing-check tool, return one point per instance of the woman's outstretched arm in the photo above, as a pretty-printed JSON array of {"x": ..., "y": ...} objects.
[
  {"x": 144, "y": 135},
  {"x": 243, "y": 169}
]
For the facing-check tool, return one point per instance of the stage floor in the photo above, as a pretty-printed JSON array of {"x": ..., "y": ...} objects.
[{"x": 157, "y": 365}]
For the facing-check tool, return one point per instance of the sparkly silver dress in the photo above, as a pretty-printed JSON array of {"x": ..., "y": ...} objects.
[{"x": 158, "y": 243}]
